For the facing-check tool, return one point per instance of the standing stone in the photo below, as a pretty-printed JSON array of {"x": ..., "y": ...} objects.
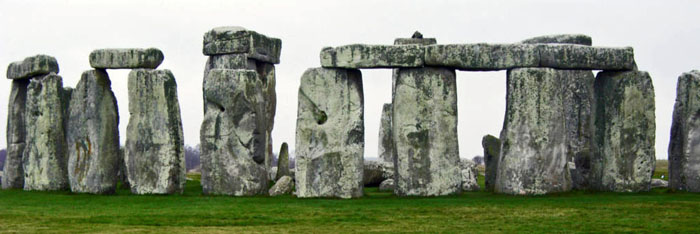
[
  {"x": 233, "y": 134},
  {"x": 154, "y": 155},
  {"x": 469, "y": 174},
  {"x": 92, "y": 136},
  {"x": 43, "y": 159},
  {"x": 578, "y": 99},
  {"x": 37, "y": 65},
  {"x": 126, "y": 58},
  {"x": 387, "y": 185},
  {"x": 13, "y": 171},
  {"x": 330, "y": 134},
  {"x": 625, "y": 124},
  {"x": 684, "y": 148},
  {"x": 386, "y": 144},
  {"x": 283, "y": 162},
  {"x": 492, "y": 149},
  {"x": 533, "y": 157},
  {"x": 424, "y": 130}
]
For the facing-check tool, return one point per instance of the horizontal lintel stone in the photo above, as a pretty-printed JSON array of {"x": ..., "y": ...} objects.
[
  {"x": 238, "y": 40},
  {"x": 126, "y": 58},
  {"x": 372, "y": 56},
  {"x": 37, "y": 65}
]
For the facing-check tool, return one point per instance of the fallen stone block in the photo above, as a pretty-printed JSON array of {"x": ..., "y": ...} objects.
[
  {"x": 238, "y": 40},
  {"x": 37, "y": 65},
  {"x": 372, "y": 56},
  {"x": 283, "y": 186},
  {"x": 126, "y": 58},
  {"x": 387, "y": 185},
  {"x": 684, "y": 147},
  {"x": 330, "y": 134}
]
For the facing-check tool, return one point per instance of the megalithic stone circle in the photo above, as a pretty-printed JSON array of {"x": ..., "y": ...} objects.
[
  {"x": 43, "y": 159},
  {"x": 154, "y": 154},
  {"x": 625, "y": 130},
  {"x": 424, "y": 129},
  {"x": 92, "y": 136},
  {"x": 684, "y": 150},
  {"x": 233, "y": 134},
  {"x": 330, "y": 134}
]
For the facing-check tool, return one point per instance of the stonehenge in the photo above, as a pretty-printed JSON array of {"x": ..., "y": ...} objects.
[{"x": 683, "y": 154}]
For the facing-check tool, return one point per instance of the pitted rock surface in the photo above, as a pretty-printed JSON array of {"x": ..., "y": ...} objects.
[{"x": 126, "y": 58}]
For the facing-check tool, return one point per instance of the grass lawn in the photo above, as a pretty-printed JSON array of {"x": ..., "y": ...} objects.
[{"x": 655, "y": 211}]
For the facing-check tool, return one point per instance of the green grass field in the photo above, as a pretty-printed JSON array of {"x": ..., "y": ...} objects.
[{"x": 655, "y": 211}]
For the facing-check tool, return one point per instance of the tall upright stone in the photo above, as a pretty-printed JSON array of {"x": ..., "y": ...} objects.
[
  {"x": 233, "y": 134},
  {"x": 578, "y": 99},
  {"x": 13, "y": 171},
  {"x": 154, "y": 154},
  {"x": 386, "y": 144},
  {"x": 43, "y": 159},
  {"x": 330, "y": 134},
  {"x": 283, "y": 162},
  {"x": 684, "y": 148},
  {"x": 424, "y": 130},
  {"x": 492, "y": 149},
  {"x": 92, "y": 135},
  {"x": 625, "y": 128},
  {"x": 533, "y": 157}
]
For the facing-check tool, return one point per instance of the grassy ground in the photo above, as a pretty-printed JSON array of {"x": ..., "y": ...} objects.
[{"x": 655, "y": 211}]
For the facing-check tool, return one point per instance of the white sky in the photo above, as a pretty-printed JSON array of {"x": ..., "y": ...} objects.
[{"x": 664, "y": 34}]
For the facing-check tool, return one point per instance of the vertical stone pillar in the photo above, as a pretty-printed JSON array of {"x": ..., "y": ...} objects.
[
  {"x": 492, "y": 150},
  {"x": 330, "y": 134},
  {"x": 386, "y": 144},
  {"x": 44, "y": 160},
  {"x": 154, "y": 154},
  {"x": 424, "y": 129},
  {"x": 684, "y": 148},
  {"x": 534, "y": 143},
  {"x": 13, "y": 172},
  {"x": 233, "y": 134},
  {"x": 92, "y": 135},
  {"x": 625, "y": 128}
]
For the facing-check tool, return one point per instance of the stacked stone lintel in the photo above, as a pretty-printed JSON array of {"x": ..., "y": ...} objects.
[{"x": 243, "y": 56}]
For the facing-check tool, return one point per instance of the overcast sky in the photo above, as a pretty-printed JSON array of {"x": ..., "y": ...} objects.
[{"x": 665, "y": 36}]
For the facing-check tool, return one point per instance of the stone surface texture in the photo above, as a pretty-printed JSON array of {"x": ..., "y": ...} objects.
[
  {"x": 569, "y": 56},
  {"x": 44, "y": 159},
  {"x": 126, "y": 58},
  {"x": 684, "y": 148},
  {"x": 283, "y": 162},
  {"x": 659, "y": 183},
  {"x": 238, "y": 40},
  {"x": 469, "y": 175},
  {"x": 424, "y": 130},
  {"x": 283, "y": 186},
  {"x": 578, "y": 39},
  {"x": 533, "y": 158},
  {"x": 387, "y": 185},
  {"x": 13, "y": 171},
  {"x": 92, "y": 135},
  {"x": 330, "y": 134},
  {"x": 37, "y": 65},
  {"x": 373, "y": 173},
  {"x": 492, "y": 149},
  {"x": 625, "y": 131},
  {"x": 386, "y": 144},
  {"x": 154, "y": 150},
  {"x": 233, "y": 134},
  {"x": 372, "y": 56}
]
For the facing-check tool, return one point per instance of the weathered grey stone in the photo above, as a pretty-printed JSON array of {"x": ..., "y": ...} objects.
[
  {"x": 43, "y": 158},
  {"x": 568, "y": 56},
  {"x": 483, "y": 57},
  {"x": 372, "y": 56},
  {"x": 659, "y": 183},
  {"x": 272, "y": 173},
  {"x": 386, "y": 144},
  {"x": 533, "y": 157},
  {"x": 492, "y": 149},
  {"x": 424, "y": 129},
  {"x": 283, "y": 162},
  {"x": 330, "y": 134},
  {"x": 488, "y": 57},
  {"x": 684, "y": 150},
  {"x": 415, "y": 41},
  {"x": 283, "y": 186},
  {"x": 469, "y": 175},
  {"x": 238, "y": 40},
  {"x": 37, "y": 65},
  {"x": 578, "y": 39},
  {"x": 154, "y": 155},
  {"x": 121, "y": 176},
  {"x": 387, "y": 185},
  {"x": 13, "y": 171},
  {"x": 625, "y": 126},
  {"x": 66, "y": 95},
  {"x": 233, "y": 134},
  {"x": 126, "y": 58},
  {"x": 92, "y": 136},
  {"x": 373, "y": 173}
]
